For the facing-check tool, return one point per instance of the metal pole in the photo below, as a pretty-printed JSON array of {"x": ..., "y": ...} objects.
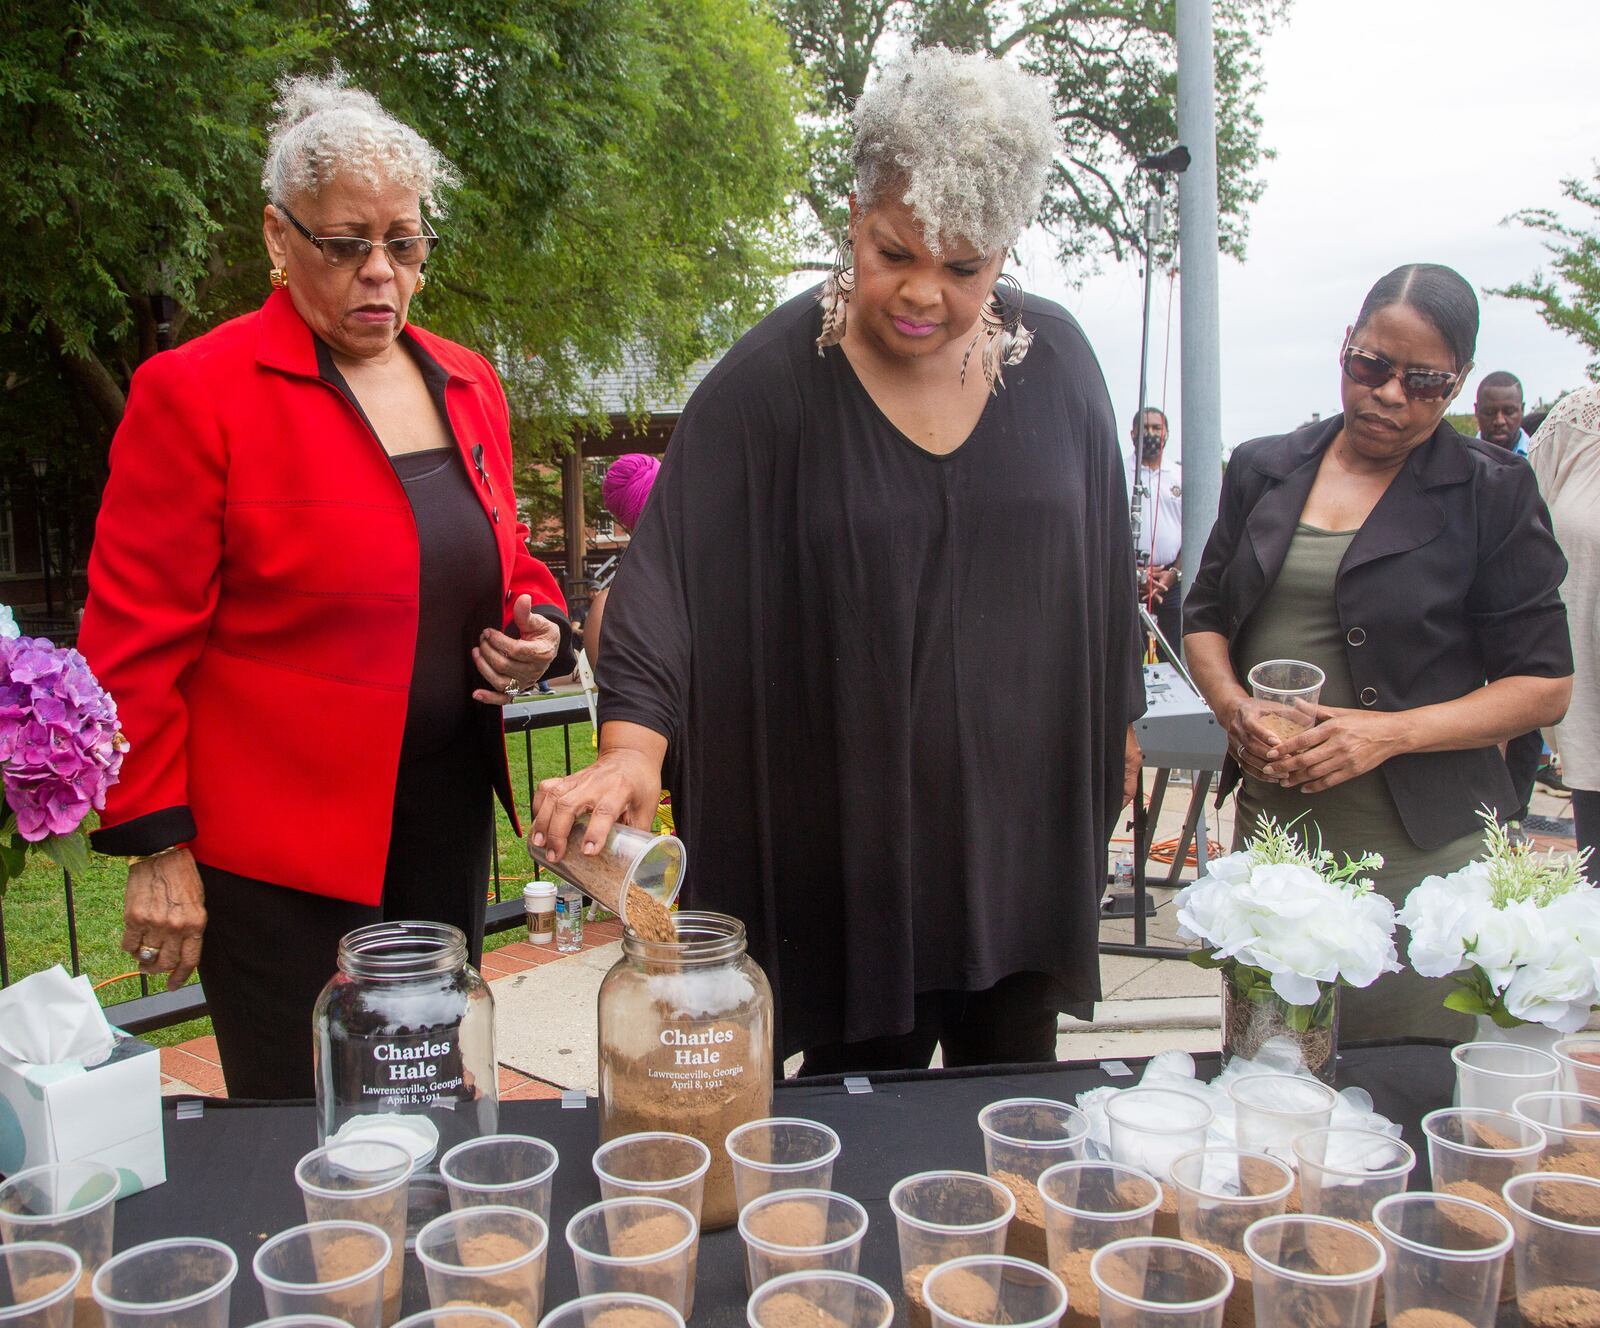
[{"x": 1197, "y": 249}]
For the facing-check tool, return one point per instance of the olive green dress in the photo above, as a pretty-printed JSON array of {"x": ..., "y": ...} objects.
[{"x": 1299, "y": 619}]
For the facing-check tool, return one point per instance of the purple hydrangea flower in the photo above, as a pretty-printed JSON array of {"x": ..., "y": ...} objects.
[{"x": 60, "y": 740}]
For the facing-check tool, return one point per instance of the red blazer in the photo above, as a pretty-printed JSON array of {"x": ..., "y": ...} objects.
[{"x": 253, "y": 603}]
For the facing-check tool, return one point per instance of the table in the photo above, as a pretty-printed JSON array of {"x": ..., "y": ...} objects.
[{"x": 230, "y": 1173}]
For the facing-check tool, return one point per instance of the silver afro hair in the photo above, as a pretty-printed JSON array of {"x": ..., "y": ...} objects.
[
  {"x": 323, "y": 128},
  {"x": 968, "y": 138}
]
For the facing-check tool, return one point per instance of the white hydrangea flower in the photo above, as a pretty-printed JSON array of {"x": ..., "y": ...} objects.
[{"x": 8, "y": 623}]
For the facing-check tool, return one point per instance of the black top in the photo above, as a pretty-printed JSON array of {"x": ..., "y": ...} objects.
[
  {"x": 895, "y": 685},
  {"x": 1452, "y": 581}
]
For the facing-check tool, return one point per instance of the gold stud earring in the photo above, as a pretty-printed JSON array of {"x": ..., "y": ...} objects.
[
  {"x": 422, "y": 280},
  {"x": 279, "y": 277}
]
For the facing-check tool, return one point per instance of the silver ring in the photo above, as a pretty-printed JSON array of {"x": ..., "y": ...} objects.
[{"x": 148, "y": 954}]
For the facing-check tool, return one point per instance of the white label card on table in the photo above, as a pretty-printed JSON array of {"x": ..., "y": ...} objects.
[
  {"x": 191, "y": 1108},
  {"x": 574, "y": 1099},
  {"x": 857, "y": 1083},
  {"x": 1116, "y": 1069}
]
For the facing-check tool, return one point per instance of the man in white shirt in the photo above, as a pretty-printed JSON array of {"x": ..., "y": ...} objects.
[{"x": 1159, "y": 538}]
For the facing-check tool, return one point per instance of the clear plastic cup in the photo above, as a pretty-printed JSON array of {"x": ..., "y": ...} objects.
[
  {"x": 1557, "y": 1221},
  {"x": 331, "y": 1268},
  {"x": 657, "y": 1165},
  {"x": 983, "y": 1289},
  {"x": 1150, "y": 1281},
  {"x": 629, "y": 857},
  {"x": 597, "y": 1312},
  {"x": 1152, "y": 1126},
  {"x": 486, "y": 1257},
  {"x": 1579, "y": 1059},
  {"x": 300, "y": 1321},
  {"x": 1571, "y": 1125},
  {"x": 1474, "y": 1149},
  {"x": 1087, "y": 1205},
  {"x": 457, "y": 1318},
  {"x": 1313, "y": 1271},
  {"x": 781, "y": 1153},
  {"x": 1271, "y": 1111},
  {"x": 1343, "y": 1172},
  {"x": 1493, "y": 1075},
  {"x": 37, "y": 1282},
  {"x": 1445, "y": 1254},
  {"x": 364, "y": 1180},
  {"x": 850, "y": 1300},
  {"x": 637, "y": 1244},
  {"x": 1022, "y": 1138},
  {"x": 1223, "y": 1191},
  {"x": 179, "y": 1283},
  {"x": 1290, "y": 689},
  {"x": 70, "y": 1203},
  {"x": 943, "y": 1215},
  {"x": 796, "y": 1231},
  {"x": 511, "y": 1170}
]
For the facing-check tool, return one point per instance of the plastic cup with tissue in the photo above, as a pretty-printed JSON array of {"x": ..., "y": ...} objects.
[
  {"x": 1271, "y": 1111},
  {"x": 1150, "y": 1127}
]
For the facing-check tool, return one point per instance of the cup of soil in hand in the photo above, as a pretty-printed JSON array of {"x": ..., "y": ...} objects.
[
  {"x": 509, "y": 1170},
  {"x": 813, "y": 1300},
  {"x": 1271, "y": 1111},
  {"x": 1579, "y": 1059},
  {"x": 1344, "y": 1172},
  {"x": 1446, "y": 1260},
  {"x": 1153, "y": 1280},
  {"x": 1571, "y": 1125},
  {"x": 1557, "y": 1221},
  {"x": 1022, "y": 1138},
  {"x": 1087, "y": 1205},
  {"x": 179, "y": 1283},
  {"x": 796, "y": 1231},
  {"x": 1290, "y": 689},
  {"x": 986, "y": 1289},
  {"x": 944, "y": 1215},
  {"x": 332, "y": 1268},
  {"x": 37, "y": 1279},
  {"x": 1313, "y": 1271},
  {"x": 780, "y": 1153},
  {"x": 636, "y": 1245},
  {"x": 1493, "y": 1075},
  {"x": 616, "y": 1309},
  {"x": 486, "y": 1257},
  {"x": 657, "y": 1164},
  {"x": 652, "y": 862}
]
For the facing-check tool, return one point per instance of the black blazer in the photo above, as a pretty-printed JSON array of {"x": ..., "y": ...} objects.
[{"x": 1453, "y": 580}]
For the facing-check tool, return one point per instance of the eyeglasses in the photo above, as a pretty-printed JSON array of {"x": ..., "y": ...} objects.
[
  {"x": 352, "y": 250},
  {"x": 1369, "y": 370}
]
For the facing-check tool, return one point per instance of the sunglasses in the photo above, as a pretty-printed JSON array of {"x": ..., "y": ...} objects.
[{"x": 1369, "y": 370}]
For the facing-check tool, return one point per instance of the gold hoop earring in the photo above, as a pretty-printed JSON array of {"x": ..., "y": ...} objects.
[
  {"x": 422, "y": 280},
  {"x": 279, "y": 277},
  {"x": 1006, "y": 341},
  {"x": 834, "y": 297}
]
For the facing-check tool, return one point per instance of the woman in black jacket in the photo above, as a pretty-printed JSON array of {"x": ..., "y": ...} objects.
[{"x": 1417, "y": 569}]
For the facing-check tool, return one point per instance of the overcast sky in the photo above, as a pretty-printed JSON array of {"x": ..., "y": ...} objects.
[{"x": 1405, "y": 130}]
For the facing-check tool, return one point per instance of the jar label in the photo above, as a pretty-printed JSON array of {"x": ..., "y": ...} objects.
[
  {"x": 403, "y": 1072},
  {"x": 699, "y": 1056}
]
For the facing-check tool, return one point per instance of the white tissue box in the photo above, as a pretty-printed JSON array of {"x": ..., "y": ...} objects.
[{"x": 110, "y": 1112}]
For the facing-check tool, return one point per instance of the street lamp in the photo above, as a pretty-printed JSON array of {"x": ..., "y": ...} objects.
[{"x": 39, "y": 466}]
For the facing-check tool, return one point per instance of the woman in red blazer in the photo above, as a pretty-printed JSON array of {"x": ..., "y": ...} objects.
[{"x": 308, "y": 592}]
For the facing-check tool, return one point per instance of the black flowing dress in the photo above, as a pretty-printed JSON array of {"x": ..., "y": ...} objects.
[{"x": 895, "y": 685}]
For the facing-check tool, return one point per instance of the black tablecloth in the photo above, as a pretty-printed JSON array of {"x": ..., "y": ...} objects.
[{"x": 230, "y": 1173}]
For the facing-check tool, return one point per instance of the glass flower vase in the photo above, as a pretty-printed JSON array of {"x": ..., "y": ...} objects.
[{"x": 1257, "y": 1023}]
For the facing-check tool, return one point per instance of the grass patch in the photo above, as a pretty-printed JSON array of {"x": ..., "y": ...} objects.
[{"x": 35, "y": 912}]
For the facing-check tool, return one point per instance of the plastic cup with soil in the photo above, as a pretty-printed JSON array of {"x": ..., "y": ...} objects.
[
  {"x": 651, "y": 862},
  {"x": 1344, "y": 1172},
  {"x": 1221, "y": 1193},
  {"x": 486, "y": 1257},
  {"x": 1579, "y": 1059},
  {"x": 617, "y": 1309},
  {"x": 72, "y": 1204},
  {"x": 300, "y": 1321},
  {"x": 179, "y": 1283},
  {"x": 944, "y": 1215},
  {"x": 507, "y": 1170},
  {"x": 331, "y": 1268},
  {"x": 780, "y": 1153},
  {"x": 816, "y": 1300},
  {"x": 657, "y": 1164},
  {"x": 1472, "y": 1152},
  {"x": 37, "y": 1282},
  {"x": 364, "y": 1180},
  {"x": 1289, "y": 690},
  {"x": 797, "y": 1231},
  {"x": 637, "y": 1245},
  {"x": 1087, "y": 1205},
  {"x": 1271, "y": 1111},
  {"x": 1493, "y": 1075},
  {"x": 1023, "y": 1137},
  {"x": 984, "y": 1289},
  {"x": 457, "y": 1318},
  {"x": 1317, "y": 1272},
  {"x": 1557, "y": 1221},
  {"x": 1571, "y": 1125},
  {"x": 1151, "y": 1280},
  {"x": 1446, "y": 1260}
]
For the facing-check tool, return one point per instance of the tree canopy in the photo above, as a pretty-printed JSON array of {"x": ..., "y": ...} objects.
[{"x": 1568, "y": 301}]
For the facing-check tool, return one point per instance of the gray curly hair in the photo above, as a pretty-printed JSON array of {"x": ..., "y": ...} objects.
[
  {"x": 969, "y": 140},
  {"x": 323, "y": 128}
]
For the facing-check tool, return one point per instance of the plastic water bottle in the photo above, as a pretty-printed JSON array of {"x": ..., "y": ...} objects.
[{"x": 569, "y": 919}]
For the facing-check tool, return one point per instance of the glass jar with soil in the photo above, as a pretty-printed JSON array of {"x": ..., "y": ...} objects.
[{"x": 686, "y": 1043}]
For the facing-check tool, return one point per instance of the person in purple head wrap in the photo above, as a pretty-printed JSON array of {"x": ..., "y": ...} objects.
[{"x": 624, "y": 491}]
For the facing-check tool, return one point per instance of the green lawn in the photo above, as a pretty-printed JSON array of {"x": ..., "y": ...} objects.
[{"x": 36, "y": 917}]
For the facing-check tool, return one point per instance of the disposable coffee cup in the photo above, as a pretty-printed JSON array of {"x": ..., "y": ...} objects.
[{"x": 1290, "y": 689}]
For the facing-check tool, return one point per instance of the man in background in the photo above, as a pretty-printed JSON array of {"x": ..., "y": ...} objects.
[
  {"x": 1160, "y": 536},
  {"x": 1499, "y": 411}
]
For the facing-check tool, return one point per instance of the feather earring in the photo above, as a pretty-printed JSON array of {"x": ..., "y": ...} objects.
[
  {"x": 1005, "y": 340},
  {"x": 835, "y": 296}
]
